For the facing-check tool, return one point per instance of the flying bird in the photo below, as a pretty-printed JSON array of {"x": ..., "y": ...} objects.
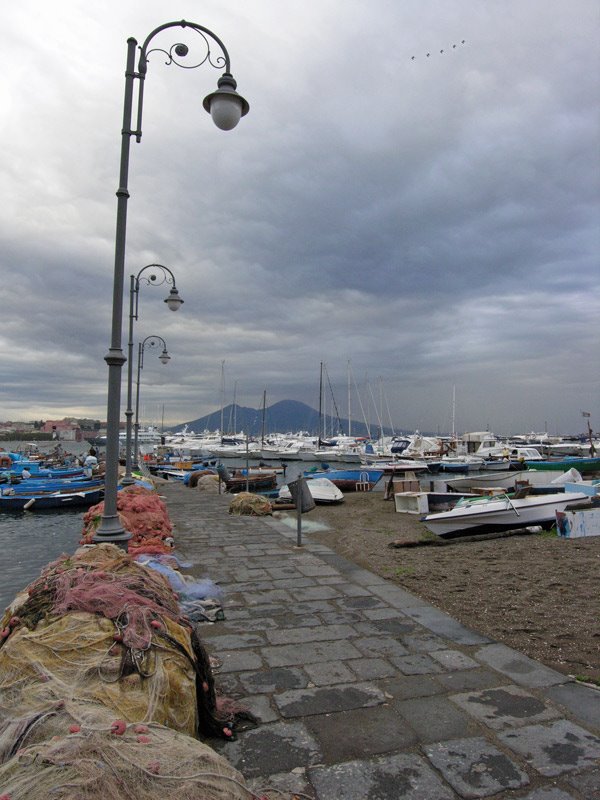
[{"x": 427, "y": 55}]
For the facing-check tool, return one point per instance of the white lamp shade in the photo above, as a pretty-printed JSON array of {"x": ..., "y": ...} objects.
[{"x": 226, "y": 110}]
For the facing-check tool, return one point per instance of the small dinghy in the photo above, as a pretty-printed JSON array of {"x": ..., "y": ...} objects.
[{"x": 322, "y": 490}]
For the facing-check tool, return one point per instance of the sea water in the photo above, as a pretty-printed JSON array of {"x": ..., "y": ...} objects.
[{"x": 30, "y": 540}]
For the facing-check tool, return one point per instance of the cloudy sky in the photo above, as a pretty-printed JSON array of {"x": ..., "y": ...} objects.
[{"x": 427, "y": 226}]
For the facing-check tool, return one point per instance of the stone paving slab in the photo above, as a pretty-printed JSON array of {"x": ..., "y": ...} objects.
[
  {"x": 404, "y": 776},
  {"x": 476, "y": 768},
  {"x": 505, "y": 707},
  {"x": 366, "y": 692},
  {"x": 520, "y": 668},
  {"x": 556, "y": 748},
  {"x": 327, "y": 699}
]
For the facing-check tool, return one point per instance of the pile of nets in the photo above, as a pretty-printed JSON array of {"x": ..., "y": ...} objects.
[
  {"x": 72, "y": 752},
  {"x": 98, "y": 627},
  {"x": 142, "y": 513},
  {"x": 254, "y": 505},
  {"x": 207, "y": 483},
  {"x": 192, "y": 478}
]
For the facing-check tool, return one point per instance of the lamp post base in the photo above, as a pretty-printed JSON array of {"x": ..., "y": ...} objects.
[{"x": 111, "y": 531}]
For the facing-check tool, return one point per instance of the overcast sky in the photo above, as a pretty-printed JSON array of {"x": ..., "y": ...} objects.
[{"x": 426, "y": 224}]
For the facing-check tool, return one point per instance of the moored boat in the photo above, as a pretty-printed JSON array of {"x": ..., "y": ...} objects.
[
  {"x": 585, "y": 465},
  {"x": 36, "y": 501},
  {"x": 500, "y": 513},
  {"x": 349, "y": 480},
  {"x": 322, "y": 490}
]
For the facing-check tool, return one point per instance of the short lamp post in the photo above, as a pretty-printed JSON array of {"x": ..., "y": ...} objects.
[
  {"x": 158, "y": 276},
  {"x": 226, "y": 107},
  {"x": 164, "y": 358}
]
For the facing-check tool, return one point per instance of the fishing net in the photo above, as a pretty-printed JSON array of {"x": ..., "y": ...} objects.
[
  {"x": 71, "y": 752},
  {"x": 99, "y": 627},
  {"x": 103, "y": 683},
  {"x": 194, "y": 477},
  {"x": 246, "y": 503},
  {"x": 142, "y": 513},
  {"x": 208, "y": 484}
]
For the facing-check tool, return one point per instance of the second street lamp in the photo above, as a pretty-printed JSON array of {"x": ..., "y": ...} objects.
[
  {"x": 158, "y": 276},
  {"x": 226, "y": 107},
  {"x": 164, "y": 358}
]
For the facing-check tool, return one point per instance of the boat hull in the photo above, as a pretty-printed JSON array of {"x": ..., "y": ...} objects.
[
  {"x": 584, "y": 465},
  {"x": 349, "y": 480},
  {"x": 51, "y": 502},
  {"x": 322, "y": 490},
  {"x": 496, "y": 514}
]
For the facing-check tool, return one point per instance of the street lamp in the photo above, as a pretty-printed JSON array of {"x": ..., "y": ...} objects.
[
  {"x": 226, "y": 107},
  {"x": 159, "y": 276},
  {"x": 164, "y": 358}
]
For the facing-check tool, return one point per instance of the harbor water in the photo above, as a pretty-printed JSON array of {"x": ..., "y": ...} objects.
[{"x": 30, "y": 540}]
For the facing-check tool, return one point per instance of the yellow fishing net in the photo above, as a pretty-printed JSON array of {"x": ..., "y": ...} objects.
[
  {"x": 103, "y": 684},
  {"x": 246, "y": 503}
]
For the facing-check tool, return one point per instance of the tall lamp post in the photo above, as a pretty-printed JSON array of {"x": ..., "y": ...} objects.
[
  {"x": 164, "y": 358},
  {"x": 226, "y": 107},
  {"x": 157, "y": 277}
]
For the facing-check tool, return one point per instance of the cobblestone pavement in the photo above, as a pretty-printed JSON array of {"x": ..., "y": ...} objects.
[{"x": 366, "y": 692}]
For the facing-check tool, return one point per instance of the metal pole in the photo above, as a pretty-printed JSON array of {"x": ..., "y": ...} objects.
[
  {"x": 299, "y": 512},
  {"x": 110, "y": 528},
  {"x": 131, "y": 458},
  {"x": 136, "y": 427},
  {"x": 247, "y": 466},
  {"x": 226, "y": 107},
  {"x": 128, "y": 479}
]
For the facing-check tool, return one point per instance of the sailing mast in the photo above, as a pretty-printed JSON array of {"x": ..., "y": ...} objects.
[
  {"x": 264, "y": 413},
  {"x": 320, "y": 407},
  {"x": 349, "y": 412},
  {"x": 222, "y": 396},
  {"x": 234, "y": 407}
]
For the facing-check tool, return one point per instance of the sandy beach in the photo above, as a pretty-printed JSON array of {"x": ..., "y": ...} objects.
[{"x": 537, "y": 593}]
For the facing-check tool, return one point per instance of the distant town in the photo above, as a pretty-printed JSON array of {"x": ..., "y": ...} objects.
[{"x": 69, "y": 429}]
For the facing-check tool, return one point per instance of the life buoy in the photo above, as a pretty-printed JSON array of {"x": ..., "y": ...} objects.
[{"x": 5, "y": 462}]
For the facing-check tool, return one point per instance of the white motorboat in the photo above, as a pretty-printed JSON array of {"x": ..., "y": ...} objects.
[
  {"x": 512, "y": 480},
  {"x": 393, "y": 466},
  {"x": 321, "y": 489},
  {"x": 500, "y": 513}
]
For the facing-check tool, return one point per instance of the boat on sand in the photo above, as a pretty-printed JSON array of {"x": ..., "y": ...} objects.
[
  {"x": 322, "y": 491},
  {"x": 489, "y": 514}
]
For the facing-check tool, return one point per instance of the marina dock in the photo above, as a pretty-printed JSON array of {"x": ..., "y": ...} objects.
[{"x": 363, "y": 690}]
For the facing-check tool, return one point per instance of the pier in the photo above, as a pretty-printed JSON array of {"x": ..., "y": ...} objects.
[{"x": 363, "y": 690}]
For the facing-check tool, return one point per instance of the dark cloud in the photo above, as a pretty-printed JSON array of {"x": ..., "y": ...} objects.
[{"x": 433, "y": 222}]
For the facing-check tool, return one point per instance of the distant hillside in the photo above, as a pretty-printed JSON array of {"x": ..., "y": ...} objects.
[{"x": 287, "y": 415}]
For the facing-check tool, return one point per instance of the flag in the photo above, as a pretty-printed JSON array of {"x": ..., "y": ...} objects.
[{"x": 585, "y": 414}]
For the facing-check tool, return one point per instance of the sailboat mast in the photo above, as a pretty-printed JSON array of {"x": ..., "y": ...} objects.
[
  {"x": 320, "y": 406},
  {"x": 264, "y": 413},
  {"x": 234, "y": 407},
  {"x": 222, "y": 395},
  {"x": 349, "y": 412},
  {"x": 454, "y": 411}
]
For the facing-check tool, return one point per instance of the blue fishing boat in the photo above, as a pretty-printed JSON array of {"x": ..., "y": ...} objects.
[
  {"x": 348, "y": 480},
  {"x": 13, "y": 464},
  {"x": 32, "y": 485},
  {"x": 38, "y": 501}
]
